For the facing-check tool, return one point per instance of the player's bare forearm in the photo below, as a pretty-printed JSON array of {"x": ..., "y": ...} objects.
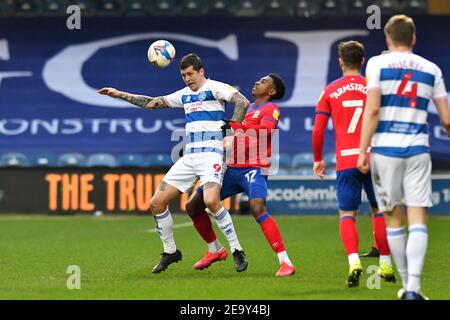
[
  {"x": 138, "y": 100},
  {"x": 444, "y": 113},
  {"x": 240, "y": 107},
  {"x": 370, "y": 119}
]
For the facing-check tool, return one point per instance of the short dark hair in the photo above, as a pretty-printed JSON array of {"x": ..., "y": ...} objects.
[
  {"x": 351, "y": 53},
  {"x": 280, "y": 86},
  {"x": 193, "y": 60},
  {"x": 400, "y": 29}
]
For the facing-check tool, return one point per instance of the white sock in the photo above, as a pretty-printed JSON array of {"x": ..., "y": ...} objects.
[
  {"x": 385, "y": 259},
  {"x": 164, "y": 224},
  {"x": 225, "y": 224},
  {"x": 416, "y": 249},
  {"x": 284, "y": 258},
  {"x": 397, "y": 243},
  {"x": 353, "y": 258},
  {"x": 214, "y": 246}
]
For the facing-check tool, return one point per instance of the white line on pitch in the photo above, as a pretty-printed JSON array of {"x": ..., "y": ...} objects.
[{"x": 175, "y": 226}]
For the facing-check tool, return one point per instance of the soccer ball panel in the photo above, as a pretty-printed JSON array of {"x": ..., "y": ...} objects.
[{"x": 161, "y": 53}]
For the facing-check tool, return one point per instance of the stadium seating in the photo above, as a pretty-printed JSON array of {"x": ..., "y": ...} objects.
[
  {"x": 27, "y": 7},
  {"x": 414, "y": 6},
  {"x": 248, "y": 8},
  {"x": 43, "y": 160},
  {"x": 110, "y": 7},
  {"x": 194, "y": 7},
  {"x": 159, "y": 160},
  {"x": 6, "y": 8},
  {"x": 88, "y": 8},
  {"x": 14, "y": 160},
  {"x": 137, "y": 8},
  {"x": 330, "y": 158},
  {"x": 219, "y": 7},
  {"x": 71, "y": 160},
  {"x": 282, "y": 172},
  {"x": 165, "y": 7},
  {"x": 331, "y": 173},
  {"x": 388, "y": 7},
  {"x": 303, "y": 159},
  {"x": 130, "y": 160},
  {"x": 306, "y": 8},
  {"x": 356, "y": 6},
  {"x": 101, "y": 160},
  {"x": 240, "y": 8},
  {"x": 55, "y": 7},
  {"x": 331, "y": 7},
  {"x": 284, "y": 160},
  {"x": 305, "y": 172},
  {"x": 281, "y": 8}
]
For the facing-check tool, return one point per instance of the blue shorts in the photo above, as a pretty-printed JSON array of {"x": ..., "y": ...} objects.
[
  {"x": 248, "y": 180},
  {"x": 349, "y": 184}
]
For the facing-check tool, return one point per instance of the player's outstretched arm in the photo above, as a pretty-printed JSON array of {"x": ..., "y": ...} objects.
[
  {"x": 138, "y": 100},
  {"x": 240, "y": 107}
]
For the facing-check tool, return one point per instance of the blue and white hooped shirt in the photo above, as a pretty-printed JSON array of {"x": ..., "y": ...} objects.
[
  {"x": 407, "y": 82},
  {"x": 205, "y": 112}
]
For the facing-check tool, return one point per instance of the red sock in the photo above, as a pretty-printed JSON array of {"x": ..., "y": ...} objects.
[
  {"x": 375, "y": 244},
  {"x": 349, "y": 234},
  {"x": 271, "y": 232},
  {"x": 204, "y": 227},
  {"x": 379, "y": 230}
]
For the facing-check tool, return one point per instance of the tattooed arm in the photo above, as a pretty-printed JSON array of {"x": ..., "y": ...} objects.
[
  {"x": 138, "y": 100},
  {"x": 240, "y": 107}
]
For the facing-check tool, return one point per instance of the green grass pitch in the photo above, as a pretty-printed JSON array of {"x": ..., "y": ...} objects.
[{"x": 116, "y": 254}]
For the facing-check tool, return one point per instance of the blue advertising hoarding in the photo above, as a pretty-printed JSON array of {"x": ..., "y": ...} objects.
[
  {"x": 289, "y": 195},
  {"x": 49, "y": 75}
]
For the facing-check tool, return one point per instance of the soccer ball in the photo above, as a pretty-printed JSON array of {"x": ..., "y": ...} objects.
[{"x": 161, "y": 53}]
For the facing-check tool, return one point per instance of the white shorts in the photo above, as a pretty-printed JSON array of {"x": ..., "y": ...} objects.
[
  {"x": 400, "y": 181},
  {"x": 206, "y": 166}
]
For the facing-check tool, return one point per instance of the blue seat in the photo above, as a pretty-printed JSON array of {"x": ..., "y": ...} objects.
[
  {"x": 137, "y": 7},
  {"x": 248, "y": 8},
  {"x": 284, "y": 160},
  {"x": 303, "y": 159},
  {"x": 14, "y": 159},
  {"x": 131, "y": 160},
  {"x": 330, "y": 173},
  {"x": 282, "y": 172},
  {"x": 71, "y": 160},
  {"x": 159, "y": 160},
  {"x": 306, "y": 8},
  {"x": 305, "y": 172},
  {"x": 43, "y": 160},
  {"x": 219, "y": 7},
  {"x": 280, "y": 8},
  {"x": 194, "y": 7},
  {"x": 165, "y": 7},
  {"x": 101, "y": 160},
  {"x": 330, "y": 158}
]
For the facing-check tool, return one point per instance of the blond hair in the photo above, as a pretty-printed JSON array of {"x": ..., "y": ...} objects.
[{"x": 401, "y": 29}]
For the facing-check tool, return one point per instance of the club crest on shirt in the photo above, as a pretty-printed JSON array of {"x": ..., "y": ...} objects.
[
  {"x": 201, "y": 96},
  {"x": 276, "y": 114}
]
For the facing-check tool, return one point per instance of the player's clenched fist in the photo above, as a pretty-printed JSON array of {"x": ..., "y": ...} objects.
[
  {"x": 363, "y": 163},
  {"x": 112, "y": 92}
]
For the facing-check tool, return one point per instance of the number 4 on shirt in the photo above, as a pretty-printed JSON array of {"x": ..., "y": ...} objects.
[{"x": 412, "y": 94}]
